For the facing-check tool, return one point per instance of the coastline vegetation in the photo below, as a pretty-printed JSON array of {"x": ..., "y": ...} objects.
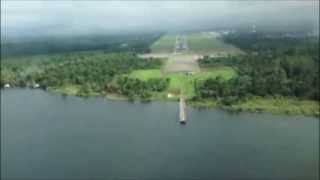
[
  {"x": 85, "y": 74},
  {"x": 284, "y": 79},
  {"x": 275, "y": 75},
  {"x": 276, "y": 105}
]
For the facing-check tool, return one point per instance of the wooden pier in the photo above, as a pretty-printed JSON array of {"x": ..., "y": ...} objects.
[{"x": 182, "y": 111}]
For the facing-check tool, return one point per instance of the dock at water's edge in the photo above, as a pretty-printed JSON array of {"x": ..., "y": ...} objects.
[{"x": 182, "y": 111}]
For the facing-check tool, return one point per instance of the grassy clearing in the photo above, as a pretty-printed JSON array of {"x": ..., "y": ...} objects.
[
  {"x": 182, "y": 81},
  {"x": 224, "y": 71},
  {"x": 178, "y": 81},
  {"x": 146, "y": 74},
  {"x": 202, "y": 44},
  {"x": 164, "y": 45}
]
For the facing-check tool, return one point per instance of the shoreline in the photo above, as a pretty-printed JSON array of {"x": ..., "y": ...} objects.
[
  {"x": 274, "y": 105},
  {"x": 257, "y": 105}
]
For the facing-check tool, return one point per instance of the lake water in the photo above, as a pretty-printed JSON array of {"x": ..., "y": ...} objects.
[{"x": 45, "y": 135}]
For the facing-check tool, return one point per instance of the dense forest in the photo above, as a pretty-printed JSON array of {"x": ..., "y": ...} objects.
[
  {"x": 138, "y": 43},
  {"x": 278, "y": 43},
  {"x": 271, "y": 67},
  {"x": 97, "y": 73}
]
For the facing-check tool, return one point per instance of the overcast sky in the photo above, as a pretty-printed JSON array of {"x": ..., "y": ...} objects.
[{"x": 25, "y": 17}]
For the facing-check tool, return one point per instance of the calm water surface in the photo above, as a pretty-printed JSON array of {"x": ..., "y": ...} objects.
[{"x": 46, "y": 135}]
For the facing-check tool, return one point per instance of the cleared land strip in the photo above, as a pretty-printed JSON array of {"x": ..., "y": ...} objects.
[
  {"x": 182, "y": 51},
  {"x": 181, "y": 63}
]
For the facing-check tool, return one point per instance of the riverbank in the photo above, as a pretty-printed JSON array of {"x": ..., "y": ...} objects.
[{"x": 276, "y": 105}]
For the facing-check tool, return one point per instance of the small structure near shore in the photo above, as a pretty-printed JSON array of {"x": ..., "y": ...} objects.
[
  {"x": 36, "y": 85},
  {"x": 7, "y": 85}
]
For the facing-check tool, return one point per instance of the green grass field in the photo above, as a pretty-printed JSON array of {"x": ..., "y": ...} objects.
[
  {"x": 164, "y": 45},
  {"x": 223, "y": 71},
  {"x": 146, "y": 74},
  {"x": 200, "y": 43},
  {"x": 182, "y": 81}
]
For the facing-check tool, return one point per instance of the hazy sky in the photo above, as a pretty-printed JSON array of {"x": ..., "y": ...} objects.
[{"x": 27, "y": 17}]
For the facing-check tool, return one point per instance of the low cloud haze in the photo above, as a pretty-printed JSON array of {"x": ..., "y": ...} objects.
[{"x": 25, "y": 18}]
